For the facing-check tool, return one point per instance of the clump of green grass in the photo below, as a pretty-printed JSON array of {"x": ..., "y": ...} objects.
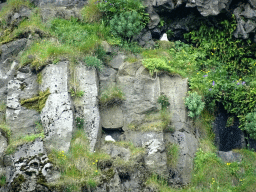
[
  {"x": 78, "y": 166},
  {"x": 91, "y": 12},
  {"x": 158, "y": 183},
  {"x": 6, "y": 130},
  {"x": 93, "y": 62},
  {"x": 2, "y": 181},
  {"x": 172, "y": 152},
  {"x": 2, "y": 106},
  {"x": 111, "y": 96},
  {"x": 43, "y": 52},
  {"x": 15, "y": 142},
  {"x": 74, "y": 40},
  {"x": 154, "y": 121}
]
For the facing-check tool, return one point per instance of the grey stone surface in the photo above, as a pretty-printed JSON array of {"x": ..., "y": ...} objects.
[
  {"x": 21, "y": 120},
  {"x": 175, "y": 88},
  {"x": 31, "y": 163},
  {"x": 107, "y": 78},
  {"x": 48, "y": 13},
  {"x": 141, "y": 93},
  {"x": 253, "y": 3},
  {"x": 107, "y": 48},
  {"x": 116, "y": 151},
  {"x": 229, "y": 156},
  {"x": 12, "y": 49},
  {"x": 112, "y": 117},
  {"x": 155, "y": 157},
  {"x": 117, "y": 61},
  {"x": 57, "y": 115},
  {"x": 58, "y": 3},
  {"x": 87, "y": 106},
  {"x": 188, "y": 144}
]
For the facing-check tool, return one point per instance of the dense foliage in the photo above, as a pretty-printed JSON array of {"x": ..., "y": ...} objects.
[
  {"x": 195, "y": 104},
  {"x": 126, "y": 25},
  {"x": 226, "y": 69}
]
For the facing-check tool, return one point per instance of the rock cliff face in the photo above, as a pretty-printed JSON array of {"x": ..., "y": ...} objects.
[
  {"x": 127, "y": 121},
  {"x": 136, "y": 119}
]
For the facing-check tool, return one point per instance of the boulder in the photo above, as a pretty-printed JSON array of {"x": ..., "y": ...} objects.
[
  {"x": 12, "y": 49},
  {"x": 112, "y": 117},
  {"x": 57, "y": 115},
  {"x": 107, "y": 48},
  {"x": 229, "y": 156},
  {"x": 117, "y": 61},
  {"x": 155, "y": 157}
]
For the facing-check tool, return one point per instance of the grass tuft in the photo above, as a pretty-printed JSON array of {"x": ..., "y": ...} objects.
[
  {"x": 78, "y": 166},
  {"x": 111, "y": 96}
]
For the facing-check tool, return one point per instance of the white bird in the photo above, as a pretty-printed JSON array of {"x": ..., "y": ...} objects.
[
  {"x": 109, "y": 138},
  {"x": 164, "y": 37}
]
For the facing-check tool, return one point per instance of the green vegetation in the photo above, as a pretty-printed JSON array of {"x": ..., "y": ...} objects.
[
  {"x": 91, "y": 12},
  {"x": 5, "y": 129},
  {"x": 195, "y": 104},
  {"x": 154, "y": 121},
  {"x": 111, "y": 96},
  {"x": 79, "y": 123},
  {"x": 172, "y": 152},
  {"x": 37, "y": 102},
  {"x": 78, "y": 166},
  {"x": 32, "y": 26},
  {"x": 164, "y": 101},
  {"x": 76, "y": 93},
  {"x": 111, "y": 8},
  {"x": 92, "y": 61},
  {"x": 2, "y": 106},
  {"x": 220, "y": 68},
  {"x": 10, "y": 7},
  {"x": 250, "y": 124},
  {"x": 2, "y": 181},
  {"x": 126, "y": 25}
]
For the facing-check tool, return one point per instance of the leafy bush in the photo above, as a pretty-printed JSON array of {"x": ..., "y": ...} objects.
[
  {"x": 112, "y": 95},
  {"x": 92, "y": 61},
  {"x": 163, "y": 100},
  {"x": 126, "y": 25},
  {"x": 116, "y": 7},
  {"x": 195, "y": 104},
  {"x": 250, "y": 124}
]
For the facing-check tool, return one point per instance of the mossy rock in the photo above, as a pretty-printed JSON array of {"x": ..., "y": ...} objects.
[
  {"x": 37, "y": 102},
  {"x": 17, "y": 182}
]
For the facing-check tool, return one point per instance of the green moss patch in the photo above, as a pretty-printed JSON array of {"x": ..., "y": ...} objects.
[{"x": 38, "y": 102}]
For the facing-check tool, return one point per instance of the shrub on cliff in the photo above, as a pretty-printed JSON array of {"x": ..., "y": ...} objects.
[
  {"x": 250, "y": 124},
  {"x": 126, "y": 25},
  {"x": 195, "y": 104}
]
